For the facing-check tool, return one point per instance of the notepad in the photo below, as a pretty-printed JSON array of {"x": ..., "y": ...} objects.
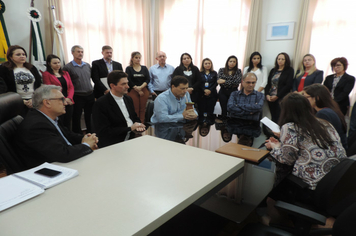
[
  {"x": 270, "y": 124},
  {"x": 24, "y": 185}
]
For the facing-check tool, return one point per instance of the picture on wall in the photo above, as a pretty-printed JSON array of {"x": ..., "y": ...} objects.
[{"x": 280, "y": 31}]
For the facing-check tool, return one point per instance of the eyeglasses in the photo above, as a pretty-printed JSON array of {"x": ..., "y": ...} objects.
[
  {"x": 63, "y": 99},
  {"x": 338, "y": 65}
]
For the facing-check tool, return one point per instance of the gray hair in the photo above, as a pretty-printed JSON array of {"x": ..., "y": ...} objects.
[
  {"x": 247, "y": 74},
  {"x": 43, "y": 92},
  {"x": 76, "y": 46}
]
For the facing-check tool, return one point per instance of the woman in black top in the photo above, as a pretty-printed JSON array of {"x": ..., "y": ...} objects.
[
  {"x": 229, "y": 79},
  {"x": 138, "y": 77},
  {"x": 340, "y": 84},
  {"x": 19, "y": 76},
  {"x": 207, "y": 100},
  {"x": 280, "y": 83},
  {"x": 191, "y": 72}
]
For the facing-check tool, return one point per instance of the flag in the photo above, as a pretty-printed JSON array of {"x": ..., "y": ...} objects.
[
  {"x": 4, "y": 38},
  {"x": 38, "y": 53},
  {"x": 57, "y": 37}
]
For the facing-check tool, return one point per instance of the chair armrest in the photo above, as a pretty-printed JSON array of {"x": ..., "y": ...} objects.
[{"x": 301, "y": 213}]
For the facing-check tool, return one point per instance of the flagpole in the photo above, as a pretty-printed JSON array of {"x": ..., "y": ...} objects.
[{"x": 32, "y": 4}]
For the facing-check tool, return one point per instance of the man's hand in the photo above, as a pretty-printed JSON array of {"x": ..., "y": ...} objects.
[
  {"x": 207, "y": 92},
  {"x": 154, "y": 94},
  {"x": 106, "y": 91},
  {"x": 190, "y": 90},
  {"x": 138, "y": 127},
  {"x": 189, "y": 114},
  {"x": 92, "y": 140}
]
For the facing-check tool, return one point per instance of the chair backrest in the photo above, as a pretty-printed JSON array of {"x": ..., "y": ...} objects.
[
  {"x": 11, "y": 105},
  {"x": 337, "y": 190},
  {"x": 149, "y": 111}
]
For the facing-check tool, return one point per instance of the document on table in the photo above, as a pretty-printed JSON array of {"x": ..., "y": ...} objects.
[
  {"x": 14, "y": 191},
  {"x": 270, "y": 124},
  {"x": 44, "y": 181},
  {"x": 24, "y": 185}
]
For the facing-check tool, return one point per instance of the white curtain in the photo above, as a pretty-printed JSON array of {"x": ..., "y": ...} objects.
[
  {"x": 333, "y": 35},
  {"x": 118, "y": 23},
  {"x": 214, "y": 29}
]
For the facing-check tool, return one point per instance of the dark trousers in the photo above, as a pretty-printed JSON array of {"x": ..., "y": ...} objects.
[
  {"x": 158, "y": 93},
  {"x": 66, "y": 118},
  {"x": 82, "y": 103},
  {"x": 224, "y": 95},
  {"x": 275, "y": 110},
  {"x": 206, "y": 104}
]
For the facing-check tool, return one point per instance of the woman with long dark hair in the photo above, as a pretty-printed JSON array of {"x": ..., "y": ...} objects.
[
  {"x": 255, "y": 66},
  {"x": 138, "y": 81},
  {"x": 19, "y": 76},
  {"x": 229, "y": 79},
  {"x": 309, "y": 146},
  {"x": 187, "y": 69},
  {"x": 326, "y": 108},
  {"x": 280, "y": 82},
  {"x": 56, "y": 76}
]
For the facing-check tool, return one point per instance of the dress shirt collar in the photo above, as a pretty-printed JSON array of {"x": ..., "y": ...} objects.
[
  {"x": 55, "y": 121},
  {"x": 107, "y": 62},
  {"x": 243, "y": 92},
  {"x": 158, "y": 65},
  {"x": 116, "y": 97},
  {"x": 76, "y": 64}
]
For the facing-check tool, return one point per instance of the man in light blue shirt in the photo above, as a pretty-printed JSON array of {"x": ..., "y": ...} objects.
[
  {"x": 170, "y": 106},
  {"x": 160, "y": 75}
]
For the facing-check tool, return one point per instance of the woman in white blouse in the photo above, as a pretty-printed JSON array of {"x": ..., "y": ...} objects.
[{"x": 256, "y": 67}]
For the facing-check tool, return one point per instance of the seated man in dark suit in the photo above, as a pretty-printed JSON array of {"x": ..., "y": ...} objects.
[
  {"x": 114, "y": 116},
  {"x": 40, "y": 138},
  {"x": 101, "y": 68}
]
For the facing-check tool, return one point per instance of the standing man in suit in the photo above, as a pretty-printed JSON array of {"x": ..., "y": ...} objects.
[
  {"x": 80, "y": 73},
  {"x": 114, "y": 116},
  {"x": 101, "y": 68},
  {"x": 40, "y": 138}
]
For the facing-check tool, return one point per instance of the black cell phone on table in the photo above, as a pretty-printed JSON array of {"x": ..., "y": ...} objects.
[{"x": 48, "y": 172}]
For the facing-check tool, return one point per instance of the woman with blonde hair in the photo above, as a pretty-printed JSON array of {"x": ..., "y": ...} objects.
[{"x": 307, "y": 74}]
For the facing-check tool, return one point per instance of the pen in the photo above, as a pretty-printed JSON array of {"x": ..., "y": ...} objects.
[{"x": 250, "y": 149}]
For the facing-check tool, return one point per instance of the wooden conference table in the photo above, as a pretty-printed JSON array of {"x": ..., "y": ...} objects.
[{"x": 130, "y": 188}]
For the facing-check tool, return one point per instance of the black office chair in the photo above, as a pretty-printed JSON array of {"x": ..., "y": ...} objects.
[
  {"x": 344, "y": 225},
  {"x": 149, "y": 113},
  {"x": 332, "y": 196},
  {"x": 11, "y": 105}
]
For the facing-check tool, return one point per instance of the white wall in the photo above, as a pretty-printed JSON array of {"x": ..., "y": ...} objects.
[
  {"x": 278, "y": 11},
  {"x": 18, "y": 24}
]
